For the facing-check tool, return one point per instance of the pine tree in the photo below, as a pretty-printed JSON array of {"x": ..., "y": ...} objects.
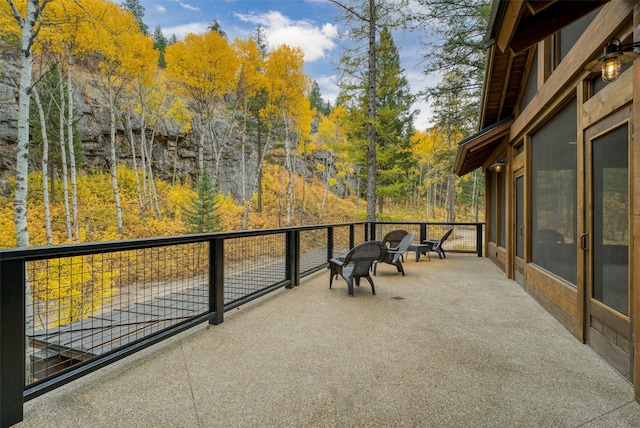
[
  {"x": 459, "y": 27},
  {"x": 137, "y": 10},
  {"x": 202, "y": 213},
  {"x": 394, "y": 121},
  {"x": 359, "y": 68},
  {"x": 160, "y": 43},
  {"x": 315, "y": 98},
  {"x": 215, "y": 26}
]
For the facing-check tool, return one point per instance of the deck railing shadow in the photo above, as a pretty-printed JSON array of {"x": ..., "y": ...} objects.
[{"x": 68, "y": 310}]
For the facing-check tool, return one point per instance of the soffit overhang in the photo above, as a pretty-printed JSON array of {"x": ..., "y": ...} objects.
[
  {"x": 515, "y": 27},
  {"x": 474, "y": 150}
]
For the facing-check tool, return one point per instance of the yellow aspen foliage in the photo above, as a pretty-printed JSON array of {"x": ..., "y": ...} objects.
[
  {"x": 8, "y": 25},
  {"x": 68, "y": 27},
  {"x": 203, "y": 65},
  {"x": 72, "y": 288},
  {"x": 288, "y": 89},
  {"x": 250, "y": 77},
  {"x": 179, "y": 113}
]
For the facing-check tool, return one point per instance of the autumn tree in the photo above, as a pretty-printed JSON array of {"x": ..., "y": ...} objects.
[
  {"x": 25, "y": 27},
  {"x": 257, "y": 104},
  {"x": 250, "y": 83},
  {"x": 124, "y": 55},
  {"x": 287, "y": 110},
  {"x": 204, "y": 68},
  {"x": 332, "y": 144}
]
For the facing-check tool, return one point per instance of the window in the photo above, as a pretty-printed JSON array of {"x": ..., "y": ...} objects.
[
  {"x": 554, "y": 194},
  {"x": 531, "y": 85},
  {"x": 497, "y": 208}
]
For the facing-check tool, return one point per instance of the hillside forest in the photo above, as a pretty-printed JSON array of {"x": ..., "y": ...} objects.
[{"x": 111, "y": 131}]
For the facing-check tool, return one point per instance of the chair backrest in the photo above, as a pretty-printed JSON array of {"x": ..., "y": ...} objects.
[
  {"x": 403, "y": 246},
  {"x": 363, "y": 255},
  {"x": 549, "y": 236},
  {"x": 393, "y": 238},
  {"x": 445, "y": 236}
]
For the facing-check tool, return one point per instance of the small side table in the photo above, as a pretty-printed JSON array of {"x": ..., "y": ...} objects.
[{"x": 421, "y": 249}]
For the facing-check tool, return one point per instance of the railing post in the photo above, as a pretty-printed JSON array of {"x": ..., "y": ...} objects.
[
  {"x": 12, "y": 341},
  {"x": 423, "y": 232},
  {"x": 216, "y": 280},
  {"x": 352, "y": 236},
  {"x": 479, "y": 240},
  {"x": 372, "y": 230},
  {"x": 293, "y": 258},
  {"x": 329, "y": 243}
]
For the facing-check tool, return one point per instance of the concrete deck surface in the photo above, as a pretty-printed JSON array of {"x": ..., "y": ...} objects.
[{"x": 452, "y": 344}]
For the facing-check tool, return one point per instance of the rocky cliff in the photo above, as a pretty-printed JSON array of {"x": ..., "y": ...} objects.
[{"x": 173, "y": 153}]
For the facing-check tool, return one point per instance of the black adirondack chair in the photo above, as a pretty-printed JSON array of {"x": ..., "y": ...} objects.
[{"x": 357, "y": 264}]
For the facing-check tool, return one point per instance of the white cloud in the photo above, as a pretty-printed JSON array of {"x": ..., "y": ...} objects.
[
  {"x": 182, "y": 30},
  {"x": 329, "y": 87},
  {"x": 418, "y": 82},
  {"x": 316, "y": 42},
  {"x": 159, "y": 8},
  {"x": 187, "y": 6}
]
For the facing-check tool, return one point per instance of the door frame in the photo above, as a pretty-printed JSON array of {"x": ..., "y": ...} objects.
[{"x": 606, "y": 318}]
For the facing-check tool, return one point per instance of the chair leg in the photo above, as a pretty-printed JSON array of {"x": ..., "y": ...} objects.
[
  {"x": 398, "y": 265},
  {"x": 373, "y": 288},
  {"x": 375, "y": 267},
  {"x": 350, "y": 286}
]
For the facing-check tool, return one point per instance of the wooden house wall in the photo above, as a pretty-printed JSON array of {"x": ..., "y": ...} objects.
[{"x": 565, "y": 301}]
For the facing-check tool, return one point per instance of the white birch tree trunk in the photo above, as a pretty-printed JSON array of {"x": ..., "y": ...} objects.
[
  {"x": 63, "y": 159},
  {"x": 152, "y": 183},
  {"x": 72, "y": 151},
  {"x": 45, "y": 167},
  {"x": 257, "y": 181},
  {"x": 27, "y": 35},
  {"x": 114, "y": 160},
  {"x": 134, "y": 160}
]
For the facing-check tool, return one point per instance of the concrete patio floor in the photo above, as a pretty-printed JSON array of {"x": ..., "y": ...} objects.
[{"x": 453, "y": 343}]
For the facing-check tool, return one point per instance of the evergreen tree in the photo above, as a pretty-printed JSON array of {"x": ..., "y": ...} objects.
[
  {"x": 315, "y": 98},
  {"x": 137, "y": 10},
  {"x": 458, "y": 27},
  {"x": 259, "y": 36},
  {"x": 359, "y": 70},
  {"x": 394, "y": 121},
  {"x": 202, "y": 213},
  {"x": 160, "y": 43},
  {"x": 215, "y": 26}
]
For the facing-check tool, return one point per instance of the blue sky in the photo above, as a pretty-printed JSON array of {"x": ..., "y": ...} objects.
[{"x": 308, "y": 24}]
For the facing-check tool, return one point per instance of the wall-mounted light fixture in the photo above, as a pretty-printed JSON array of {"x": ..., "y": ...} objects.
[
  {"x": 498, "y": 165},
  {"x": 615, "y": 56}
]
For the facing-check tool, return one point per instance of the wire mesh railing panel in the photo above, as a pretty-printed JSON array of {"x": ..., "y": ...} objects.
[
  {"x": 341, "y": 241},
  {"x": 462, "y": 239},
  {"x": 313, "y": 249},
  {"x": 253, "y": 264},
  {"x": 85, "y": 306},
  {"x": 383, "y": 229},
  {"x": 359, "y": 234}
]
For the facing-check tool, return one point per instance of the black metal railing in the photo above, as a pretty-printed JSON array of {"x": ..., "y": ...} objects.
[{"x": 68, "y": 310}]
